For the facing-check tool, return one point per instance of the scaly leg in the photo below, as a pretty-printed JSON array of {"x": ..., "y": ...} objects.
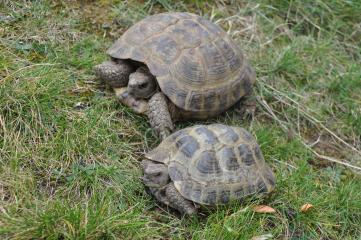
[
  {"x": 177, "y": 201},
  {"x": 115, "y": 74},
  {"x": 159, "y": 116},
  {"x": 249, "y": 106}
]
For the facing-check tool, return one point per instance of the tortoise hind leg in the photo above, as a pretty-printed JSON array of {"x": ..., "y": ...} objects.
[
  {"x": 159, "y": 116},
  {"x": 249, "y": 105},
  {"x": 115, "y": 74},
  {"x": 177, "y": 201}
]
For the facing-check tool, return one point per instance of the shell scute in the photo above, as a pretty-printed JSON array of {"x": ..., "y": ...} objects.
[
  {"x": 208, "y": 165},
  {"x": 246, "y": 154},
  {"x": 244, "y": 134},
  {"x": 134, "y": 37},
  {"x": 234, "y": 45},
  {"x": 246, "y": 81},
  {"x": 113, "y": 49},
  {"x": 158, "y": 155},
  {"x": 225, "y": 196},
  {"x": 177, "y": 134},
  {"x": 185, "y": 38},
  {"x": 210, "y": 98},
  {"x": 157, "y": 68},
  {"x": 187, "y": 145},
  {"x": 196, "y": 194},
  {"x": 168, "y": 85},
  {"x": 181, "y": 96},
  {"x": 251, "y": 189},
  {"x": 235, "y": 63},
  {"x": 177, "y": 172},
  {"x": 195, "y": 99},
  {"x": 229, "y": 159},
  {"x": 258, "y": 153},
  {"x": 237, "y": 90},
  {"x": 262, "y": 187},
  {"x": 196, "y": 29},
  {"x": 184, "y": 15},
  {"x": 223, "y": 96},
  {"x": 210, "y": 27},
  {"x": 239, "y": 192},
  {"x": 251, "y": 73},
  {"x": 210, "y": 196},
  {"x": 233, "y": 60},
  {"x": 139, "y": 55},
  {"x": 163, "y": 18},
  {"x": 269, "y": 176},
  {"x": 225, "y": 134},
  {"x": 164, "y": 47},
  {"x": 216, "y": 66},
  {"x": 207, "y": 139},
  {"x": 148, "y": 29},
  {"x": 121, "y": 52},
  {"x": 187, "y": 188},
  {"x": 189, "y": 69}
]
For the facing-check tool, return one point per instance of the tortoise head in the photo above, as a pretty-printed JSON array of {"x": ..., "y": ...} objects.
[
  {"x": 141, "y": 83},
  {"x": 155, "y": 175}
]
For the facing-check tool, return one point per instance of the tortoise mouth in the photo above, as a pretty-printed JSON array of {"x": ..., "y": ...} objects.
[
  {"x": 150, "y": 183},
  {"x": 131, "y": 91}
]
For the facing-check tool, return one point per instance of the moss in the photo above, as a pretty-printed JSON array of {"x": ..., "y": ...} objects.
[
  {"x": 35, "y": 57},
  {"x": 104, "y": 3}
]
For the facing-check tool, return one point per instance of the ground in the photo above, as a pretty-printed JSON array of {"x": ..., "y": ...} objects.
[{"x": 70, "y": 152}]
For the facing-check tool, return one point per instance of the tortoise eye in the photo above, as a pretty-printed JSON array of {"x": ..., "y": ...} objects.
[
  {"x": 158, "y": 175},
  {"x": 142, "y": 86}
]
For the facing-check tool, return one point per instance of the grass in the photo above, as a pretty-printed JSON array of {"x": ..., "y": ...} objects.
[{"x": 70, "y": 152}]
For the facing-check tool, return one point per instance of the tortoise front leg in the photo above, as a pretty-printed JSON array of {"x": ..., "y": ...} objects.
[
  {"x": 249, "y": 105},
  {"x": 115, "y": 74},
  {"x": 138, "y": 105},
  {"x": 177, "y": 201},
  {"x": 159, "y": 116}
]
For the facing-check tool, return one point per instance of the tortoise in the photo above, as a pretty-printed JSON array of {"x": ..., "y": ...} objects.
[
  {"x": 207, "y": 164},
  {"x": 176, "y": 66}
]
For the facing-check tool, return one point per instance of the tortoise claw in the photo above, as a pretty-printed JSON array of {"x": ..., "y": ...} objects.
[
  {"x": 249, "y": 109},
  {"x": 249, "y": 106}
]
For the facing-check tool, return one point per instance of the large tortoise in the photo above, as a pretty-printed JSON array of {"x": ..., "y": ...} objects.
[
  {"x": 177, "y": 66},
  {"x": 210, "y": 165}
]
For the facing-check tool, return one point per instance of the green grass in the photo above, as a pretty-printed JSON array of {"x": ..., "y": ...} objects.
[{"x": 73, "y": 173}]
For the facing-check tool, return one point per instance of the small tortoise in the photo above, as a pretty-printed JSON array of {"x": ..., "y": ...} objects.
[
  {"x": 210, "y": 165},
  {"x": 177, "y": 66}
]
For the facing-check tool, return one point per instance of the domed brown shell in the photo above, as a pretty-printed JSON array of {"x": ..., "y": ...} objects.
[
  {"x": 197, "y": 65},
  {"x": 215, "y": 164}
]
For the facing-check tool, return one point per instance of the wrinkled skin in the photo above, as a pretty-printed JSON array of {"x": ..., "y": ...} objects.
[
  {"x": 116, "y": 74},
  {"x": 141, "y": 85},
  {"x": 156, "y": 177}
]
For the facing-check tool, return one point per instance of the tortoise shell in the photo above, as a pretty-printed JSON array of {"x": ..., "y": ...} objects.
[
  {"x": 215, "y": 164},
  {"x": 197, "y": 65}
]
